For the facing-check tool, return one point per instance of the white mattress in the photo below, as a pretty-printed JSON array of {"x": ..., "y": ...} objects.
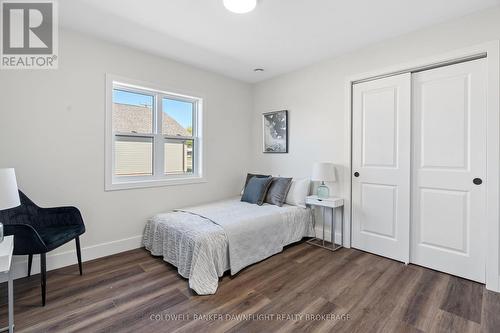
[{"x": 199, "y": 248}]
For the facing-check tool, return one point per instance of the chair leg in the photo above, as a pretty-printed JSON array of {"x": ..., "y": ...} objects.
[
  {"x": 43, "y": 271},
  {"x": 30, "y": 261},
  {"x": 79, "y": 254}
]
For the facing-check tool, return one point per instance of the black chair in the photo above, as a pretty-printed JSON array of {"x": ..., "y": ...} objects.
[{"x": 40, "y": 230}]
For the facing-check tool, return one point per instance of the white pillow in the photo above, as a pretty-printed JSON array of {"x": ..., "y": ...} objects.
[{"x": 298, "y": 192}]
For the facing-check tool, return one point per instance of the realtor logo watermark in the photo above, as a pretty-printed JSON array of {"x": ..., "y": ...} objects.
[{"x": 29, "y": 36}]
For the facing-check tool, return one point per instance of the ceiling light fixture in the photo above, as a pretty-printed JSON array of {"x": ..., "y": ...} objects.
[{"x": 240, "y": 6}]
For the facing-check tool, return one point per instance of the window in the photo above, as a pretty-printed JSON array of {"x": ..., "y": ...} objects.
[{"x": 153, "y": 137}]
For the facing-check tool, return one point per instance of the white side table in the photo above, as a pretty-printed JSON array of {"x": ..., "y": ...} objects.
[
  {"x": 6, "y": 249},
  {"x": 334, "y": 203}
]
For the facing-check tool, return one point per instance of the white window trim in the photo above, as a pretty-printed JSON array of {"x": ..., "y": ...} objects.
[{"x": 113, "y": 183}]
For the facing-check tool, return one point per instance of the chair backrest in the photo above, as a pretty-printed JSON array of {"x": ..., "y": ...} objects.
[{"x": 22, "y": 214}]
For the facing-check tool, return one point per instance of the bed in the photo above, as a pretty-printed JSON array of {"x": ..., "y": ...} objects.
[{"x": 205, "y": 241}]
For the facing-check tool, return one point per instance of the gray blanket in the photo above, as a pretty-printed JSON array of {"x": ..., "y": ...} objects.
[
  {"x": 253, "y": 233},
  {"x": 199, "y": 248}
]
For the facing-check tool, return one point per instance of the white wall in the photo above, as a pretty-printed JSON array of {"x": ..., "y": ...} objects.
[
  {"x": 52, "y": 125},
  {"x": 52, "y": 131},
  {"x": 316, "y": 96}
]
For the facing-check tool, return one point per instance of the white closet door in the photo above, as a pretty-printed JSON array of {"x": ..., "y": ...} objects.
[
  {"x": 381, "y": 166},
  {"x": 448, "y": 208}
]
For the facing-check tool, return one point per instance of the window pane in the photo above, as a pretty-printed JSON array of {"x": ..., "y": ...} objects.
[
  {"x": 177, "y": 118},
  {"x": 132, "y": 112},
  {"x": 178, "y": 157},
  {"x": 133, "y": 156}
]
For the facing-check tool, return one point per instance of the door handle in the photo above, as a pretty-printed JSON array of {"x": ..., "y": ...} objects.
[
  {"x": 477, "y": 181},
  {"x": 356, "y": 174}
]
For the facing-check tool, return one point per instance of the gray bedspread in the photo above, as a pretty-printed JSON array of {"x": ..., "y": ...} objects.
[{"x": 205, "y": 241}]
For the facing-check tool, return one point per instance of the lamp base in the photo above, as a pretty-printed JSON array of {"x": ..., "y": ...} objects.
[{"x": 323, "y": 191}]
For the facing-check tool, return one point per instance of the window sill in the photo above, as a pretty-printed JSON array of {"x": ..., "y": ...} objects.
[{"x": 127, "y": 185}]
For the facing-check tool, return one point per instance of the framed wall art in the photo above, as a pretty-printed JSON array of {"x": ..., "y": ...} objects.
[{"x": 275, "y": 132}]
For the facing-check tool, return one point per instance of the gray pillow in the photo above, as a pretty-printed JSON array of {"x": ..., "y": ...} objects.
[
  {"x": 276, "y": 195},
  {"x": 256, "y": 190}
]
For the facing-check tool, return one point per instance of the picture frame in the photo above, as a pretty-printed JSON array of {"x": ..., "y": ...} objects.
[{"x": 275, "y": 132}]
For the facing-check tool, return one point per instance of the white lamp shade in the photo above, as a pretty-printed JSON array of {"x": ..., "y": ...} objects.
[
  {"x": 324, "y": 172},
  {"x": 9, "y": 195}
]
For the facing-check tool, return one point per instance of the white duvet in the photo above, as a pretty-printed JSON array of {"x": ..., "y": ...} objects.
[{"x": 205, "y": 241}]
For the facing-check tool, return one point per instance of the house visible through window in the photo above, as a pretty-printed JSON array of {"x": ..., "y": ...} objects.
[{"x": 155, "y": 136}]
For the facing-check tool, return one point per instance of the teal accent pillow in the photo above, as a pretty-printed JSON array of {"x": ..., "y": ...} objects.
[{"x": 256, "y": 190}]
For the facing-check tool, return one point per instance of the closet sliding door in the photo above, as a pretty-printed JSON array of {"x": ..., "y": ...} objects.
[
  {"x": 442, "y": 210},
  {"x": 449, "y": 169},
  {"x": 381, "y": 166}
]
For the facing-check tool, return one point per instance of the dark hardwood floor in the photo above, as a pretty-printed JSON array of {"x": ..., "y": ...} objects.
[{"x": 303, "y": 289}]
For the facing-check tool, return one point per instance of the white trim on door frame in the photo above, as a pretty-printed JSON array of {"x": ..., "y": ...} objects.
[{"x": 492, "y": 52}]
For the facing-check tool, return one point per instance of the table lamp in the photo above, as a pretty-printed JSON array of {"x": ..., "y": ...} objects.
[
  {"x": 9, "y": 195},
  {"x": 323, "y": 172}
]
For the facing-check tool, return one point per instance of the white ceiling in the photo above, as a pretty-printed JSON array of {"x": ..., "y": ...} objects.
[{"x": 279, "y": 36}]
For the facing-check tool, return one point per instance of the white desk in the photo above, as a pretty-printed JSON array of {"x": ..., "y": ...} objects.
[
  {"x": 6, "y": 248},
  {"x": 333, "y": 203}
]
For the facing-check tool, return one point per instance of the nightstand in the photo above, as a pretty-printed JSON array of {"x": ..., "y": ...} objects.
[
  {"x": 6, "y": 249},
  {"x": 334, "y": 203}
]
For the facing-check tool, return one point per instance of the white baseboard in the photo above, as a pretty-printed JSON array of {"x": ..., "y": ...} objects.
[{"x": 58, "y": 260}]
